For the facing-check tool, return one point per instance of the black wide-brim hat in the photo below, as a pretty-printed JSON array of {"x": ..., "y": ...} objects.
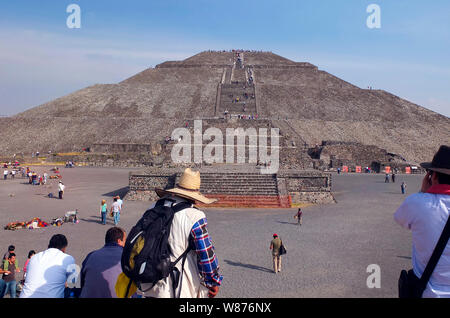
[{"x": 441, "y": 161}]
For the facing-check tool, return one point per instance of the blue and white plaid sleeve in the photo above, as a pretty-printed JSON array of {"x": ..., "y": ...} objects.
[{"x": 208, "y": 264}]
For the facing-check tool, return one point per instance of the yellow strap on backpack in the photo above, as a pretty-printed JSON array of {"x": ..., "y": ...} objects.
[{"x": 123, "y": 282}]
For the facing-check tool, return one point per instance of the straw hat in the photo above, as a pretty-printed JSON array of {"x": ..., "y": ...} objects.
[
  {"x": 441, "y": 161},
  {"x": 188, "y": 187}
]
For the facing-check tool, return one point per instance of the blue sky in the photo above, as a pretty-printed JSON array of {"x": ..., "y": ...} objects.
[{"x": 42, "y": 59}]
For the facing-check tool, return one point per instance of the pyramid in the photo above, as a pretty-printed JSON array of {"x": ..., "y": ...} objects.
[{"x": 307, "y": 104}]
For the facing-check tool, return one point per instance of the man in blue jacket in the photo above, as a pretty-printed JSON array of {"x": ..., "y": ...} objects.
[{"x": 101, "y": 268}]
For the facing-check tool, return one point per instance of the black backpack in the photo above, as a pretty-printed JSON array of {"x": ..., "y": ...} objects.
[{"x": 152, "y": 263}]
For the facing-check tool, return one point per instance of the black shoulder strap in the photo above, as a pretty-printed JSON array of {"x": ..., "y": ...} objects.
[
  {"x": 181, "y": 206},
  {"x": 434, "y": 259},
  {"x": 175, "y": 207}
]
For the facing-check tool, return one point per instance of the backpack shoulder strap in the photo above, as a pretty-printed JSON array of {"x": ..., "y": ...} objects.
[
  {"x": 181, "y": 206},
  {"x": 176, "y": 275}
]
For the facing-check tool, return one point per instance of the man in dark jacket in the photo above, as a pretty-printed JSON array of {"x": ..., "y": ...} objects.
[{"x": 101, "y": 268}]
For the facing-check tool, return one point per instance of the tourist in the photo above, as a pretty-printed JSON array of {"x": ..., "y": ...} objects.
[
  {"x": 103, "y": 211},
  {"x": 275, "y": 245},
  {"x": 9, "y": 266},
  {"x": 61, "y": 188},
  {"x": 5, "y": 174},
  {"x": 425, "y": 214},
  {"x": 101, "y": 268},
  {"x": 11, "y": 250},
  {"x": 403, "y": 187},
  {"x": 393, "y": 177},
  {"x": 115, "y": 211},
  {"x": 201, "y": 276},
  {"x": 298, "y": 216},
  {"x": 30, "y": 254},
  {"x": 120, "y": 201},
  {"x": 13, "y": 174},
  {"x": 48, "y": 271}
]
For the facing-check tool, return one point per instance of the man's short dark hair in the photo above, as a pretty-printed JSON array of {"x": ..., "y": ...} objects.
[
  {"x": 113, "y": 234},
  {"x": 58, "y": 241},
  {"x": 443, "y": 178},
  {"x": 11, "y": 248},
  {"x": 11, "y": 255}
]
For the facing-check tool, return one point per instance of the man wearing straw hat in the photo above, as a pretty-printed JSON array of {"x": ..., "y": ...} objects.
[
  {"x": 425, "y": 214},
  {"x": 200, "y": 277}
]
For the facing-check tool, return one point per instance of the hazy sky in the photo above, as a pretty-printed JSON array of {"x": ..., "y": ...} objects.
[{"x": 41, "y": 58}]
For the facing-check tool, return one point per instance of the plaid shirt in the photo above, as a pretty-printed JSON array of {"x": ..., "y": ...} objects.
[{"x": 208, "y": 264}]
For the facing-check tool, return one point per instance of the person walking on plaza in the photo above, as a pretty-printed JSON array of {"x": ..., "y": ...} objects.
[
  {"x": 103, "y": 211},
  {"x": 120, "y": 201},
  {"x": 403, "y": 187},
  {"x": 48, "y": 271},
  {"x": 275, "y": 245},
  {"x": 61, "y": 188},
  {"x": 393, "y": 177},
  {"x": 5, "y": 174},
  {"x": 199, "y": 277},
  {"x": 298, "y": 216},
  {"x": 386, "y": 178},
  {"x": 426, "y": 214},
  {"x": 9, "y": 266},
  {"x": 115, "y": 211},
  {"x": 101, "y": 268}
]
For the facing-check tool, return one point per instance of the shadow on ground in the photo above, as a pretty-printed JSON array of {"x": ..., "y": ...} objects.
[
  {"x": 119, "y": 192},
  {"x": 250, "y": 266}
]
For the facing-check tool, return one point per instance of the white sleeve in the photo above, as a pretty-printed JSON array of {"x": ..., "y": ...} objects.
[{"x": 404, "y": 215}]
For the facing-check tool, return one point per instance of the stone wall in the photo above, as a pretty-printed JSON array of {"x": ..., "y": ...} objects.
[
  {"x": 141, "y": 187},
  {"x": 336, "y": 154},
  {"x": 126, "y": 147},
  {"x": 298, "y": 186},
  {"x": 308, "y": 186}
]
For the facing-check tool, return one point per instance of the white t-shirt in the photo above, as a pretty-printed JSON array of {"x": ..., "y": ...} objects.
[
  {"x": 425, "y": 215},
  {"x": 120, "y": 203},
  {"x": 61, "y": 187},
  {"x": 5, "y": 173},
  {"x": 47, "y": 273},
  {"x": 116, "y": 207}
]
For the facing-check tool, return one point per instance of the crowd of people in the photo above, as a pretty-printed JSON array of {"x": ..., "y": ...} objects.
[{"x": 47, "y": 274}]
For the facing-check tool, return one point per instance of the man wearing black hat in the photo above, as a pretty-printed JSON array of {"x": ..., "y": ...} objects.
[{"x": 425, "y": 214}]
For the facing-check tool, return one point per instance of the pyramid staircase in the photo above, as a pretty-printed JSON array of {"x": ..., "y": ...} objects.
[{"x": 251, "y": 190}]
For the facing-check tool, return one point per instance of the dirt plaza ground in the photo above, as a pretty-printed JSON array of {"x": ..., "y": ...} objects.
[{"x": 327, "y": 256}]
